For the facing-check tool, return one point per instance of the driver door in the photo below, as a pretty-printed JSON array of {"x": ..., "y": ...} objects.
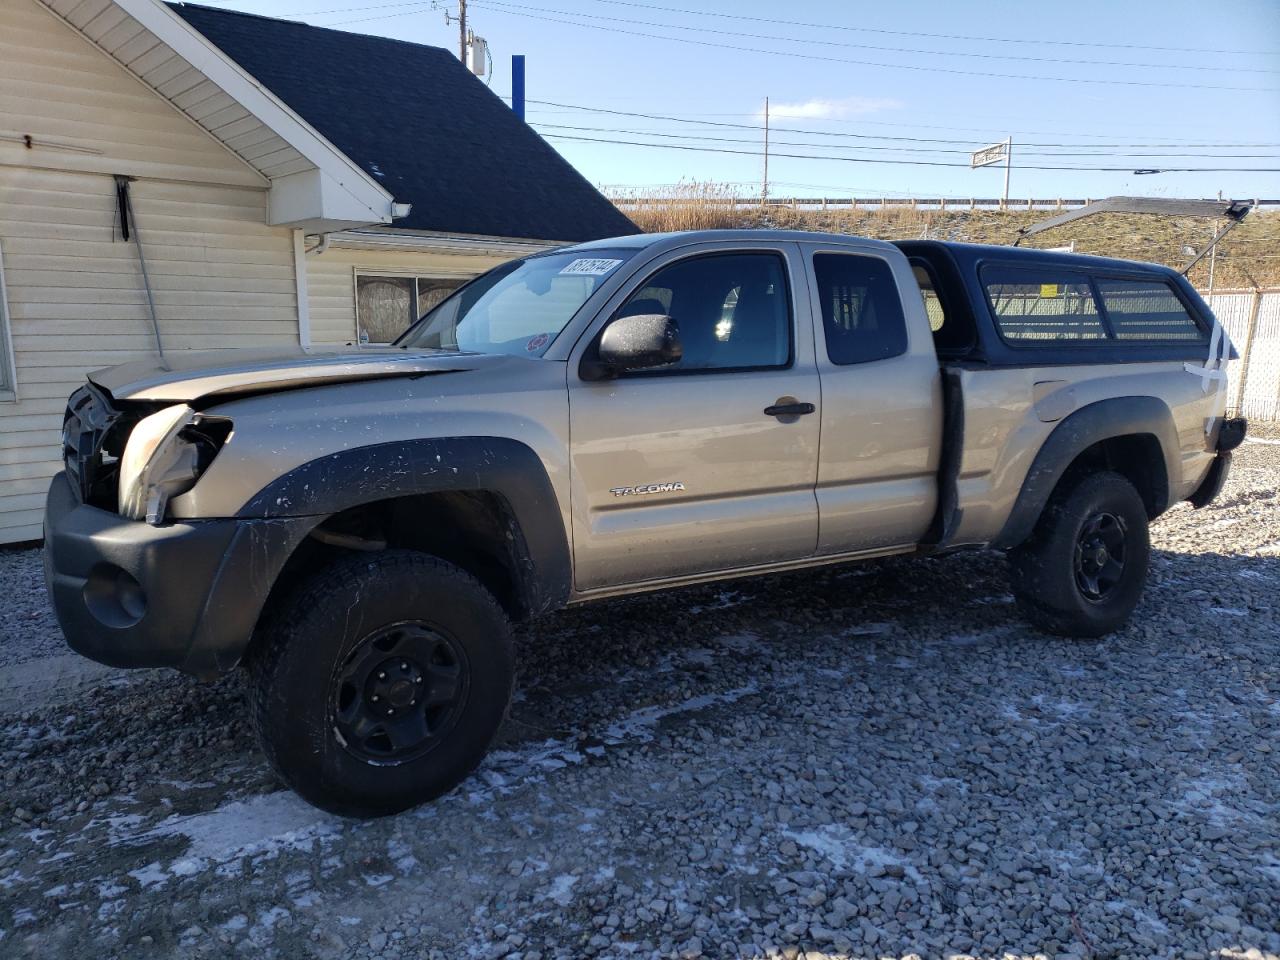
[{"x": 690, "y": 469}]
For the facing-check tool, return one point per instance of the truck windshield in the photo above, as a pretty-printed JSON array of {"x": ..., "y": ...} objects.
[{"x": 517, "y": 308}]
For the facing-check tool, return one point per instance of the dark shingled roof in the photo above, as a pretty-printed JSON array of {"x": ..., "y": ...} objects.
[{"x": 417, "y": 120}]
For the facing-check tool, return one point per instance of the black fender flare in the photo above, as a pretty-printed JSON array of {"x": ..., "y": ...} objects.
[
  {"x": 497, "y": 465},
  {"x": 1102, "y": 420}
]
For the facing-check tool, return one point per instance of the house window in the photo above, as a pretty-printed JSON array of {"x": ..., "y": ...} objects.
[
  {"x": 8, "y": 379},
  {"x": 386, "y": 305}
]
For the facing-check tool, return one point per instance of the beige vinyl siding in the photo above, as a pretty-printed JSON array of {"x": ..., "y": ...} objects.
[
  {"x": 220, "y": 276},
  {"x": 60, "y": 89},
  {"x": 331, "y": 281}
]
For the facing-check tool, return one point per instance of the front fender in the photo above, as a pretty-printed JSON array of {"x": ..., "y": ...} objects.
[
  {"x": 1103, "y": 420},
  {"x": 497, "y": 465}
]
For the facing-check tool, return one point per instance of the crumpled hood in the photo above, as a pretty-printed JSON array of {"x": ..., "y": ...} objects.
[{"x": 186, "y": 377}]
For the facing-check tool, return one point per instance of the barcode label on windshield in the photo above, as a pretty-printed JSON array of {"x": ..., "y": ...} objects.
[{"x": 587, "y": 267}]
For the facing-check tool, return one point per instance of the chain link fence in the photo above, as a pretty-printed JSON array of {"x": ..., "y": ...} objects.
[{"x": 1251, "y": 319}]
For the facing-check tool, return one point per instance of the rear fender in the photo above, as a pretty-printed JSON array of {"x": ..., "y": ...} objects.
[{"x": 1103, "y": 420}]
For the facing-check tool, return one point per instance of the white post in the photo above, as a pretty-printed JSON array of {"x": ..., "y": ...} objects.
[{"x": 1008, "y": 166}]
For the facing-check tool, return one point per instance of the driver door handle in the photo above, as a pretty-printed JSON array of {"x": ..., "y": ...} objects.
[{"x": 789, "y": 408}]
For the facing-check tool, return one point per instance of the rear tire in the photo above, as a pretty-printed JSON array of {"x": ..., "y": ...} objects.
[
  {"x": 1083, "y": 570},
  {"x": 381, "y": 681}
]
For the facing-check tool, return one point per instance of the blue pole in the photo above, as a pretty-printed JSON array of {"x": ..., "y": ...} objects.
[{"x": 517, "y": 84}]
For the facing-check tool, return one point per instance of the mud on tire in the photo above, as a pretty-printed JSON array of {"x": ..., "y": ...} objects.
[{"x": 380, "y": 682}]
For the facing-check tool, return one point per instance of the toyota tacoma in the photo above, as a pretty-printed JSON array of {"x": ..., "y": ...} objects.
[{"x": 357, "y": 529}]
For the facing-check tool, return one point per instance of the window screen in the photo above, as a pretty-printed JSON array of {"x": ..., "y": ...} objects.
[
  {"x": 387, "y": 306},
  {"x": 1147, "y": 310},
  {"x": 861, "y": 309},
  {"x": 1042, "y": 304},
  {"x": 732, "y": 309}
]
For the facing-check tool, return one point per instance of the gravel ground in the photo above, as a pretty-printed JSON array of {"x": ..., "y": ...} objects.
[{"x": 875, "y": 760}]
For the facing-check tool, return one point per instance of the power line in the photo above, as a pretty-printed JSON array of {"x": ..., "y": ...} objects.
[
  {"x": 869, "y": 46},
  {"x": 866, "y": 136},
  {"x": 911, "y": 163},
  {"x": 827, "y": 26},
  {"x": 879, "y": 65},
  {"x": 863, "y": 121},
  {"x": 834, "y": 146},
  {"x": 932, "y": 36}
]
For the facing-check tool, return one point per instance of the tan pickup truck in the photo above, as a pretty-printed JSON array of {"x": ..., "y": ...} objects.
[{"x": 359, "y": 527}]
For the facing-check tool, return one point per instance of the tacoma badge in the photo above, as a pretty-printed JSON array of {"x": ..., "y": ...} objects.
[{"x": 646, "y": 488}]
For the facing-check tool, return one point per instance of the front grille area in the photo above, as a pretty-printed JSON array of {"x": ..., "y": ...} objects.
[{"x": 93, "y": 435}]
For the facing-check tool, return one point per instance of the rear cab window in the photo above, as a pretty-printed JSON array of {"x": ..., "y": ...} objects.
[
  {"x": 1038, "y": 304},
  {"x": 1147, "y": 310},
  {"x": 862, "y": 315},
  {"x": 1031, "y": 304}
]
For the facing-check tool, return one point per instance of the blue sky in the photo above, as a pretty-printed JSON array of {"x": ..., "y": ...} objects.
[{"x": 877, "y": 72}]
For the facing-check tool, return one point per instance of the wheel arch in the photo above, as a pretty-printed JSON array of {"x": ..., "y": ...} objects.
[
  {"x": 485, "y": 504},
  {"x": 1134, "y": 436}
]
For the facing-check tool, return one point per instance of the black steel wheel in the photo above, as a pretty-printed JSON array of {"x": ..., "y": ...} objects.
[
  {"x": 380, "y": 682},
  {"x": 1099, "y": 556},
  {"x": 1082, "y": 570},
  {"x": 399, "y": 692}
]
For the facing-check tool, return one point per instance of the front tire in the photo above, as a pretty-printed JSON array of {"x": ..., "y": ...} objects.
[
  {"x": 381, "y": 682},
  {"x": 1082, "y": 571}
]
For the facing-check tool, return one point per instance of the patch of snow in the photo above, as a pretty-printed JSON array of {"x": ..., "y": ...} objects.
[
  {"x": 639, "y": 724},
  {"x": 841, "y": 846},
  {"x": 263, "y": 824},
  {"x": 561, "y": 889},
  {"x": 150, "y": 876},
  {"x": 1065, "y": 709},
  {"x": 724, "y": 600},
  {"x": 269, "y": 918}
]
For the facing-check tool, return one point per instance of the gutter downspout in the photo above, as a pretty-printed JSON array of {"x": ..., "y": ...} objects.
[
  {"x": 129, "y": 224},
  {"x": 300, "y": 288}
]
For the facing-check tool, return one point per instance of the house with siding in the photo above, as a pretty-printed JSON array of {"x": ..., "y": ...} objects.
[{"x": 212, "y": 179}]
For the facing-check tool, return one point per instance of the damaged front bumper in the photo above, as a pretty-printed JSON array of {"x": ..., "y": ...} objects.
[{"x": 185, "y": 595}]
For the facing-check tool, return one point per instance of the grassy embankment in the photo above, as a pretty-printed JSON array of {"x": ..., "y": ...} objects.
[{"x": 1249, "y": 256}]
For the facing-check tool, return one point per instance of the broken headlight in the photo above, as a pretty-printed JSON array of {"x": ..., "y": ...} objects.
[{"x": 165, "y": 456}]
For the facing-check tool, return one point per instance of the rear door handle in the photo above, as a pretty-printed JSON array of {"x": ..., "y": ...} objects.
[{"x": 789, "y": 408}]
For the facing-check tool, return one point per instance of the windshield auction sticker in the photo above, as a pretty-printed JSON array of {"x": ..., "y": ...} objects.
[{"x": 588, "y": 267}]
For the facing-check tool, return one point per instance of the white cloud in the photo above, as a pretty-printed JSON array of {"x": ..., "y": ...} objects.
[{"x": 820, "y": 109}]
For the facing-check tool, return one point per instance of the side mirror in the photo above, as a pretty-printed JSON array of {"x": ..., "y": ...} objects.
[{"x": 641, "y": 342}]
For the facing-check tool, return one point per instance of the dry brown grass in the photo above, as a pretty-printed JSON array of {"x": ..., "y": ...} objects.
[{"x": 1249, "y": 256}]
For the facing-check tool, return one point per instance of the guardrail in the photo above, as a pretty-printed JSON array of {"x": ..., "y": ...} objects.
[{"x": 873, "y": 203}]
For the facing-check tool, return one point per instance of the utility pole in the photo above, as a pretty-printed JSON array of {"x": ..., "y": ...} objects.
[
  {"x": 764, "y": 188},
  {"x": 462, "y": 31}
]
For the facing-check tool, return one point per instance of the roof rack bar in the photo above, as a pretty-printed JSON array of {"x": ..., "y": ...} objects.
[{"x": 1233, "y": 210}]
